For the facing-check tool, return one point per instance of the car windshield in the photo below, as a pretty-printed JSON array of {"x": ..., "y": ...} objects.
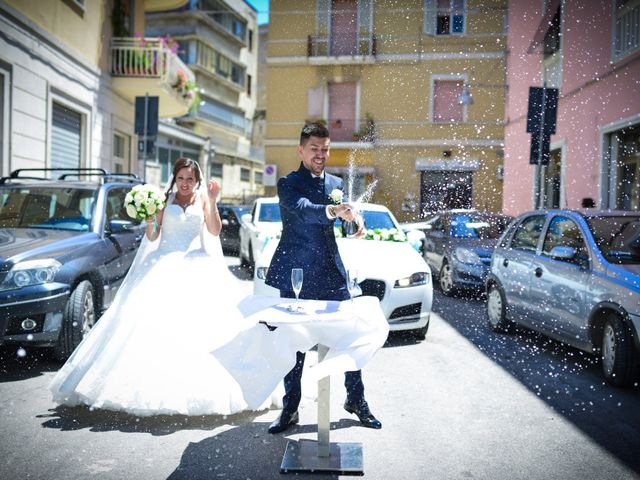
[
  {"x": 478, "y": 226},
  {"x": 269, "y": 212},
  {"x": 374, "y": 219},
  {"x": 46, "y": 207},
  {"x": 618, "y": 238}
]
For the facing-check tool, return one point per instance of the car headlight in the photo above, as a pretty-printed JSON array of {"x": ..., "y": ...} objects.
[
  {"x": 419, "y": 278},
  {"x": 465, "y": 255},
  {"x": 261, "y": 272},
  {"x": 32, "y": 272}
]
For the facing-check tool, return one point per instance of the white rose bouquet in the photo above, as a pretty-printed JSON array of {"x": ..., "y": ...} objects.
[
  {"x": 143, "y": 201},
  {"x": 336, "y": 196}
]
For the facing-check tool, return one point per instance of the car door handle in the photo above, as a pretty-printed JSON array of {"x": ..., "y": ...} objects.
[
  {"x": 538, "y": 272},
  {"x": 505, "y": 262}
]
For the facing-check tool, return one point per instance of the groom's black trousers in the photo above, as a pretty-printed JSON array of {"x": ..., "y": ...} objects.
[{"x": 292, "y": 388}]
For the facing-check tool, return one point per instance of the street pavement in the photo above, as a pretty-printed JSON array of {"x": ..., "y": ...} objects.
[{"x": 465, "y": 403}]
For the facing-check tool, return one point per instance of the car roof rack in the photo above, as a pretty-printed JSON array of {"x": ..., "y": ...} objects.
[{"x": 74, "y": 172}]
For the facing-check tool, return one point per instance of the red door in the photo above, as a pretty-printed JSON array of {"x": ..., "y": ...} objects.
[{"x": 342, "y": 111}]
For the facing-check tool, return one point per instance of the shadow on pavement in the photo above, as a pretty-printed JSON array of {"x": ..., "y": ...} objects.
[
  {"x": 65, "y": 418},
  {"x": 20, "y": 364},
  {"x": 569, "y": 380},
  {"x": 245, "y": 452}
]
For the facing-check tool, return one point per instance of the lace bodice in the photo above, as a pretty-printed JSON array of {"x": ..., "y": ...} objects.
[{"x": 180, "y": 229}]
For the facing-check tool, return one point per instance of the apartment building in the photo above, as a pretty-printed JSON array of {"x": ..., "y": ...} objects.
[
  {"x": 69, "y": 74},
  {"x": 218, "y": 40},
  {"x": 413, "y": 92},
  {"x": 592, "y": 56}
]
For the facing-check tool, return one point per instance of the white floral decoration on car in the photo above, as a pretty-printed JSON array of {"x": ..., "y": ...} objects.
[
  {"x": 143, "y": 201},
  {"x": 336, "y": 195}
]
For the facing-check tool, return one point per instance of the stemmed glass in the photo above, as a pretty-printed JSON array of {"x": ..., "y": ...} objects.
[
  {"x": 296, "y": 283},
  {"x": 352, "y": 282},
  {"x": 351, "y": 228}
]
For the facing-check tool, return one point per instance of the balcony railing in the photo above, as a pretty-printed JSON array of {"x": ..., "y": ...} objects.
[
  {"x": 320, "y": 46},
  {"x": 348, "y": 130},
  {"x": 148, "y": 66}
]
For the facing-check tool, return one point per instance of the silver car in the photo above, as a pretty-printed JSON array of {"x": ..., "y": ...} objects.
[{"x": 574, "y": 276}]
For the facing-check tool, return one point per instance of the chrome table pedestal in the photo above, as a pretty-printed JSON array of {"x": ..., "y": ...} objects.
[{"x": 322, "y": 456}]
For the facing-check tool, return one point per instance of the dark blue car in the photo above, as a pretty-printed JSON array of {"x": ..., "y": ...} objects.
[
  {"x": 65, "y": 247},
  {"x": 458, "y": 245}
]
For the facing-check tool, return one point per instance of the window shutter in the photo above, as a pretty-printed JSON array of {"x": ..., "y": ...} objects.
[
  {"x": 322, "y": 18},
  {"x": 65, "y": 137},
  {"x": 430, "y": 10},
  {"x": 365, "y": 25},
  {"x": 315, "y": 103}
]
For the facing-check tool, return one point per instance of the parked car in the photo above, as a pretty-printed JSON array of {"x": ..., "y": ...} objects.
[
  {"x": 65, "y": 247},
  {"x": 231, "y": 220},
  {"x": 390, "y": 270},
  {"x": 458, "y": 245},
  {"x": 574, "y": 276},
  {"x": 258, "y": 226}
]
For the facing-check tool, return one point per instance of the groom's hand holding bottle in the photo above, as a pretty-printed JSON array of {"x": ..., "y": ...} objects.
[{"x": 348, "y": 213}]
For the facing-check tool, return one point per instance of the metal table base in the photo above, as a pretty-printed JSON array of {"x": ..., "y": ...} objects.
[{"x": 322, "y": 456}]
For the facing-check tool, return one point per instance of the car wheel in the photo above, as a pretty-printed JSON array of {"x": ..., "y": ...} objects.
[
  {"x": 618, "y": 363},
  {"x": 79, "y": 317},
  {"x": 446, "y": 279},
  {"x": 497, "y": 309}
]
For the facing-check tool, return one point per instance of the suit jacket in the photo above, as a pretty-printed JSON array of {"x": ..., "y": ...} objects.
[{"x": 307, "y": 239}]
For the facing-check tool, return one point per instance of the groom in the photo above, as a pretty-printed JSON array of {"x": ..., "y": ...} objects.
[{"x": 308, "y": 242}]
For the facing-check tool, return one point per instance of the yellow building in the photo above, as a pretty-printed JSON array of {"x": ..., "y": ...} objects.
[{"x": 412, "y": 90}]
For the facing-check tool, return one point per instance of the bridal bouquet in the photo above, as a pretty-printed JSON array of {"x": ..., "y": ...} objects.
[{"x": 143, "y": 201}]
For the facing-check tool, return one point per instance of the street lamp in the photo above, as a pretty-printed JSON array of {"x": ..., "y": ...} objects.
[{"x": 465, "y": 98}]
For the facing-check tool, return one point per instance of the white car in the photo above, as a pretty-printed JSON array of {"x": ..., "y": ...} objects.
[
  {"x": 391, "y": 270},
  {"x": 262, "y": 223}
]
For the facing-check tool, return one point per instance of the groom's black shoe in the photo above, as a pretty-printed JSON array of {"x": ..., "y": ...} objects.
[
  {"x": 364, "y": 414},
  {"x": 284, "y": 421}
]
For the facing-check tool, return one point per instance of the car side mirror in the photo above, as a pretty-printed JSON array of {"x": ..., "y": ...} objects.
[
  {"x": 247, "y": 218},
  {"x": 563, "y": 253},
  {"x": 121, "y": 226}
]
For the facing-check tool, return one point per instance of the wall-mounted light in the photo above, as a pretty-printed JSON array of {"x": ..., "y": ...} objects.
[{"x": 465, "y": 98}]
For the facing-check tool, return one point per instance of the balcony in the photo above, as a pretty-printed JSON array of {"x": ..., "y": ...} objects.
[
  {"x": 149, "y": 66},
  {"x": 321, "y": 46}
]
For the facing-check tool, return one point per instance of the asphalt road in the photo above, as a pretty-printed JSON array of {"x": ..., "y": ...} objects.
[{"x": 464, "y": 403}]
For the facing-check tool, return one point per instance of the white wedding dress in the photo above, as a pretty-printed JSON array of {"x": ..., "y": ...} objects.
[{"x": 150, "y": 352}]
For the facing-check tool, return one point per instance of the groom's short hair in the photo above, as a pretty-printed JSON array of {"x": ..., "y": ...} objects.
[{"x": 315, "y": 129}]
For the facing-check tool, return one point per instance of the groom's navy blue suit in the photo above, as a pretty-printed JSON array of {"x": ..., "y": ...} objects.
[{"x": 308, "y": 242}]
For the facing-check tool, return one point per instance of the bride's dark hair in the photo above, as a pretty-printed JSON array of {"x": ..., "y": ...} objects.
[{"x": 184, "y": 162}]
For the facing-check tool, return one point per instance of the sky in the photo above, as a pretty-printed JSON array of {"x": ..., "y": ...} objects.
[{"x": 263, "y": 10}]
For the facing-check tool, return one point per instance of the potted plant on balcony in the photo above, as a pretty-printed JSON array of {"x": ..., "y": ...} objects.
[{"x": 189, "y": 89}]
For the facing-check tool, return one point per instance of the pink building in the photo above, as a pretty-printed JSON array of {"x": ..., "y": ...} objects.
[{"x": 590, "y": 51}]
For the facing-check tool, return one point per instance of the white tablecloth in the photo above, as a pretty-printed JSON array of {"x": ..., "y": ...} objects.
[{"x": 258, "y": 358}]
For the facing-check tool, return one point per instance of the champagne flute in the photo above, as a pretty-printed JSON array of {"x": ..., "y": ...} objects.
[
  {"x": 296, "y": 283},
  {"x": 352, "y": 282},
  {"x": 351, "y": 228}
]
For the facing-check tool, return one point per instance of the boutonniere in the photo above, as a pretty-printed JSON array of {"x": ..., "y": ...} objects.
[{"x": 336, "y": 195}]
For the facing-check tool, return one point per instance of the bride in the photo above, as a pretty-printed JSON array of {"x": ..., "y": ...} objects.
[{"x": 149, "y": 353}]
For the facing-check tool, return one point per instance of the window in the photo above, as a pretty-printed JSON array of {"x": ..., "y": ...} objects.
[
  {"x": 622, "y": 169},
  {"x": 445, "y": 101},
  {"x": 66, "y": 137},
  {"x": 115, "y": 206},
  {"x": 626, "y": 30},
  {"x": 444, "y": 17},
  {"x": 343, "y": 27},
  {"x": 528, "y": 233},
  {"x": 248, "y": 85},
  {"x": 257, "y": 177},
  {"x": 250, "y": 41},
  {"x": 563, "y": 232},
  {"x": 245, "y": 175},
  {"x": 216, "y": 170},
  {"x": 120, "y": 153},
  {"x": 214, "y": 61},
  {"x": 342, "y": 111}
]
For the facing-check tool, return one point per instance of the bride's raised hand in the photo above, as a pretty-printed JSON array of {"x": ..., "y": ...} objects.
[{"x": 213, "y": 189}]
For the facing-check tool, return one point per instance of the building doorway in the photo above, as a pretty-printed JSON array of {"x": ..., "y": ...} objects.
[
  {"x": 622, "y": 167},
  {"x": 444, "y": 190}
]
